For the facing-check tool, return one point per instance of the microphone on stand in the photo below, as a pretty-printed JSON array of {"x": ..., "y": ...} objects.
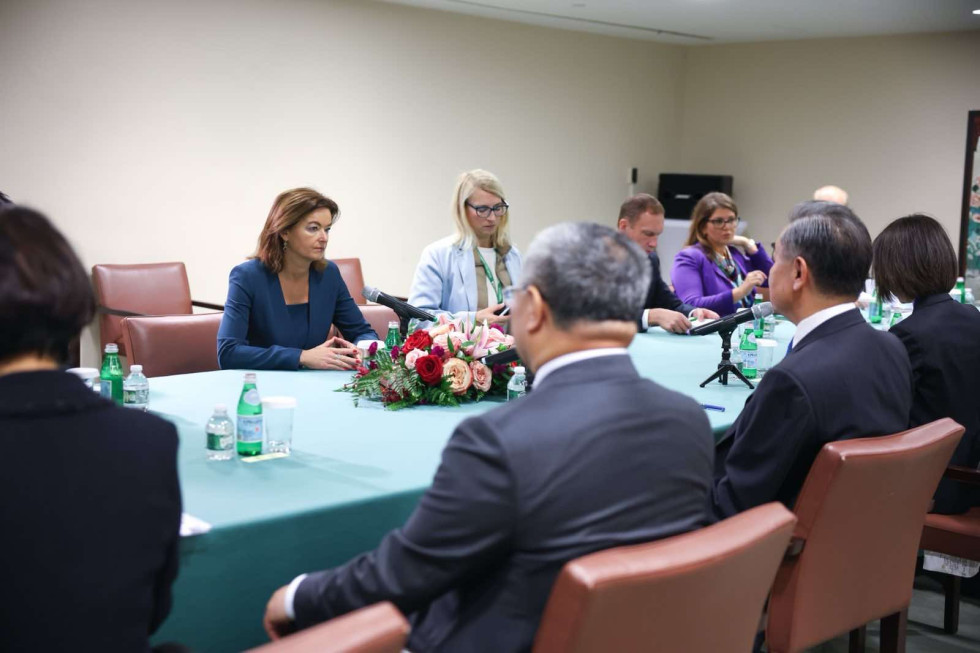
[
  {"x": 729, "y": 322},
  {"x": 403, "y": 309},
  {"x": 505, "y": 357}
]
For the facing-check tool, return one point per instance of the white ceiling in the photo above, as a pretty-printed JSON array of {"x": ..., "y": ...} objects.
[{"x": 695, "y": 22}]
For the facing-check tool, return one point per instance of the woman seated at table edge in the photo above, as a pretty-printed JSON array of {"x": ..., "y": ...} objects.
[
  {"x": 92, "y": 512},
  {"x": 282, "y": 302},
  {"x": 913, "y": 259},
  {"x": 465, "y": 274},
  {"x": 711, "y": 271}
]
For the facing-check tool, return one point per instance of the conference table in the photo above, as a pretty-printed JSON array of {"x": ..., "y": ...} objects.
[{"x": 355, "y": 472}]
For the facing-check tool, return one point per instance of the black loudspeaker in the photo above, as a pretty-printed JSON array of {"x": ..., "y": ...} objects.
[{"x": 679, "y": 193}]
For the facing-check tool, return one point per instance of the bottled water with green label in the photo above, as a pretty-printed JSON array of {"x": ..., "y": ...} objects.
[
  {"x": 960, "y": 290},
  {"x": 874, "y": 308},
  {"x": 393, "y": 338},
  {"x": 249, "y": 418},
  {"x": 750, "y": 356},
  {"x": 517, "y": 386},
  {"x": 111, "y": 376},
  {"x": 136, "y": 389},
  {"x": 221, "y": 435}
]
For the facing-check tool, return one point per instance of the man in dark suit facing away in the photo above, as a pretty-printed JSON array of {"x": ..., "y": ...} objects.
[
  {"x": 641, "y": 219},
  {"x": 594, "y": 457},
  {"x": 841, "y": 378}
]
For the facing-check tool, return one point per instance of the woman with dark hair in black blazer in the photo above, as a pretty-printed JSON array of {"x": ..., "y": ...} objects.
[
  {"x": 90, "y": 505},
  {"x": 914, "y": 261}
]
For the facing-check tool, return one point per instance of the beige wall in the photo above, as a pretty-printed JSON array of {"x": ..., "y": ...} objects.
[
  {"x": 884, "y": 118},
  {"x": 162, "y": 131}
]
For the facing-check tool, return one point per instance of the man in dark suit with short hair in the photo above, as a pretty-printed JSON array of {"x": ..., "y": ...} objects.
[
  {"x": 641, "y": 219},
  {"x": 841, "y": 379},
  {"x": 595, "y": 457}
]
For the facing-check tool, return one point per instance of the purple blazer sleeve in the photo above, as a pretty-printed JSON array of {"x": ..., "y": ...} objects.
[{"x": 697, "y": 280}]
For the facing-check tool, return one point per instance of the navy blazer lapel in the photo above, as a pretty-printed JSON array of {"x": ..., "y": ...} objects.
[{"x": 833, "y": 325}]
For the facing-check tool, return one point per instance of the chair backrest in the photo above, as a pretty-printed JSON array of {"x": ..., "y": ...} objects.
[
  {"x": 350, "y": 272},
  {"x": 378, "y": 628},
  {"x": 860, "y": 512},
  {"x": 378, "y": 317},
  {"x": 173, "y": 344},
  {"x": 150, "y": 288},
  {"x": 701, "y": 591}
]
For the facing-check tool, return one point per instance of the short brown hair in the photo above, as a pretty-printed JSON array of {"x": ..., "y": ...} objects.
[
  {"x": 702, "y": 211},
  {"x": 913, "y": 258},
  {"x": 45, "y": 295},
  {"x": 290, "y": 207},
  {"x": 637, "y": 205}
]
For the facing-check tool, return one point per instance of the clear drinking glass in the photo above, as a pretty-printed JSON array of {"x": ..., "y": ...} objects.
[{"x": 278, "y": 413}]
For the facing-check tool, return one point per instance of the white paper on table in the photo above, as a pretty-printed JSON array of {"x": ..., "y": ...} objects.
[
  {"x": 191, "y": 525},
  {"x": 947, "y": 564}
]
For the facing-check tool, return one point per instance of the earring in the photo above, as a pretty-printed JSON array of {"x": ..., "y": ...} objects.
[{"x": 284, "y": 241}]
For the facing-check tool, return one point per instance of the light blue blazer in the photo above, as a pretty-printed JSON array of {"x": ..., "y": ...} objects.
[{"x": 445, "y": 279}]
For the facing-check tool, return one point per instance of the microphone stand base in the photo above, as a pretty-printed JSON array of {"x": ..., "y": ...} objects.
[{"x": 726, "y": 365}]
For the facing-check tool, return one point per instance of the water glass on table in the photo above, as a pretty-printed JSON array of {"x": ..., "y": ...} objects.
[{"x": 278, "y": 413}]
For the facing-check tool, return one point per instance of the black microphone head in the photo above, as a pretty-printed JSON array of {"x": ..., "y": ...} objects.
[{"x": 370, "y": 293}]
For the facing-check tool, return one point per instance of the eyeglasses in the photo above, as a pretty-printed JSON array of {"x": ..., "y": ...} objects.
[
  {"x": 719, "y": 222},
  {"x": 484, "y": 211},
  {"x": 509, "y": 292}
]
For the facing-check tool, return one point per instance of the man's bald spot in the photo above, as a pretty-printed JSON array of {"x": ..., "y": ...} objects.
[{"x": 831, "y": 194}]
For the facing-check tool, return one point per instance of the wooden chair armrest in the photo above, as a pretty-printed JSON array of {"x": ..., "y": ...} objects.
[
  {"x": 214, "y": 307},
  {"x": 962, "y": 474}
]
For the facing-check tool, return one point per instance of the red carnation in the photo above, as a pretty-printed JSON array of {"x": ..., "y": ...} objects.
[
  {"x": 418, "y": 340},
  {"x": 429, "y": 369}
]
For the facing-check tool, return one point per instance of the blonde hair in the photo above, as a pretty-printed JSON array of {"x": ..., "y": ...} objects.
[{"x": 466, "y": 185}]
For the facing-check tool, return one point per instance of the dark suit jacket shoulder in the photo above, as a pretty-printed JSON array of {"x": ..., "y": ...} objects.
[
  {"x": 256, "y": 330},
  {"x": 660, "y": 295},
  {"x": 942, "y": 338},
  {"x": 843, "y": 380},
  {"x": 91, "y": 514},
  {"x": 593, "y": 458}
]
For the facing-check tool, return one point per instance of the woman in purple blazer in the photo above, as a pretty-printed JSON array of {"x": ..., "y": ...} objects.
[{"x": 712, "y": 272}]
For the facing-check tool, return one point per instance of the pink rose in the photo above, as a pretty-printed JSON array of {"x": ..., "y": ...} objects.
[
  {"x": 459, "y": 375},
  {"x": 443, "y": 341},
  {"x": 441, "y": 329},
  {"x": 481, "y": 376},
  {"x": 413, "y": 356}
]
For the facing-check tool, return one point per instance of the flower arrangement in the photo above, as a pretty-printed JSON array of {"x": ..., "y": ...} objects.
[{"x": 438, "y": 366}]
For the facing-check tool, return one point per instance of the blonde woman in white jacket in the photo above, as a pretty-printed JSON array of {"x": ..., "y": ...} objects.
[{"x": 467, "y": 273}]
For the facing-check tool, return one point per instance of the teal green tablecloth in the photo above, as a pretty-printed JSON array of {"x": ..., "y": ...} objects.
[{"x": 354, "y": 474}]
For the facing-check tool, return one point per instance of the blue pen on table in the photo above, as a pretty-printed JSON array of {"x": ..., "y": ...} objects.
[{"x": 720, "y": 409}]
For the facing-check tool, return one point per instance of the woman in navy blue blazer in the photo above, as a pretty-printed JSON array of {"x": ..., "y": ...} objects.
[
  {"x": 283, "y": 300},
  {"x": 914, "y": 260}
]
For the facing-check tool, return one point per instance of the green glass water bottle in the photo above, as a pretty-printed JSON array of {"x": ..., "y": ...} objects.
[
  {"x": 960, "y": 293},
  {"x": 759, "y": 323},
  {"x": 111, "y": 375},
  {"x": 394, "y": 337},
  {"x": 249, "y": 427},
  {"x": 750, "y": 356}
]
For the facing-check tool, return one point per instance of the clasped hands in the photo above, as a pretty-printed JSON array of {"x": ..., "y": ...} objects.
[
  {"x": 334, "y": 354},
  {"x": 677, "y": 322}
]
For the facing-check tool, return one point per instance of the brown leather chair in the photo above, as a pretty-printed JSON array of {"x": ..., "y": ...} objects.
[
  {"x": 378, "y": 317},
  {"x": 860, "y": 512},
  {"x": 955, "y": 535},
  {"x": 701, "y": 591},
  {"x": 140, "y": 290},
  {"x": 350, "y": 272},
  {"x": 378, "y": 628},
  {"x": 173, "y": 344}
]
